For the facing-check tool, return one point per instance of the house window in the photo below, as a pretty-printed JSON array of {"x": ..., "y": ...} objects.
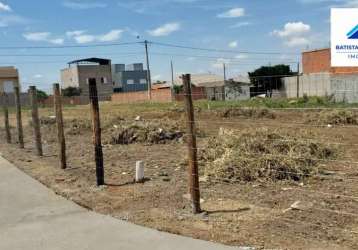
[
  {"x": 9, "y": 87},
  {"x": 143, "y": 81},
  {"x": 130, "y": 81},
  {"x": 104, "y": 80}
]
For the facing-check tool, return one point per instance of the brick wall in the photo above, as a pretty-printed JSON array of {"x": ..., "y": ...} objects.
[
  {"x": 198, "y": 93},
  {"x": 75, "y": 100},
  {"x": 158, "y": 95},
  {"x": 24, "y": 99},
  {"x": 319, "y": 61}
]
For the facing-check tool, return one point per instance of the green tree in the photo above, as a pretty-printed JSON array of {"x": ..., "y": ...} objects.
[
  {"x": 41, "y": 95},
  {"x": 268, "y": 78},
  {"x": 71, "y": 91}
]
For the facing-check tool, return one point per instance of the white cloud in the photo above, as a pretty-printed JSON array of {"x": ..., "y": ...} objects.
[
  {"x": 165, "y": 29},
  {"x": 43, "y": 37},
  {"x": 84, "y": 38},
  {"x": 37, "y": 36},
  {"x": 113, "y": 35},
  {"x": 233, "y": 44},
  {"x": 83, "y": 5},
  {"x": 75, "y": 33},
  {"x": 81, "y": 36},
  {"x": 233, "y": 13},
  {"x": 240, "y": 24},
  {"x": 241, "y": 56},
  {"x": 294, "y": 34},
  {"x": 37, "y": 76},
  {"x": 297, "y": 41},
  {"x": 57, "y": 41},
  {"x": 293, "y": 29},
  {"x": 4, "y": 7}
]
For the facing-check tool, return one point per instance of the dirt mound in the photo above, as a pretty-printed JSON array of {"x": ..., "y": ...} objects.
[
  {"x": 152, "y": 132},
  {"x": 247, "y": 113},
  {"x": 334, "y": 117},
  {"x": 261, "y": 154}
]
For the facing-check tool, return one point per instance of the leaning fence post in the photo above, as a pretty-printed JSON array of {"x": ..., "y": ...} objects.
[
  {"x": 35, "y": 119},
  {"x": 59, "y": 121},
  {"x": 96, "y": 128},
  {"x": 5, "y": 106},
  {"x": 192, "y": 149},
  {"x": 20, "y": 131}
]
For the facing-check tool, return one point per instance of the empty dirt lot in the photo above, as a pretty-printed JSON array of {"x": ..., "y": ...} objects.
[{"x": 271, "y": 208}]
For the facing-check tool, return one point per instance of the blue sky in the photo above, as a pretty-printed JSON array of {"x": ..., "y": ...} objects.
[{"x": 281, "y": 26}]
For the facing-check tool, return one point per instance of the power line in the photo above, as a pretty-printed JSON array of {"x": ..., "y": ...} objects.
[
  {"x": 221, "y": 50},
  {"x": 143, "y": 42},
  {"x": 68, "y": 46},
  {"x": 152, "y": 53}
]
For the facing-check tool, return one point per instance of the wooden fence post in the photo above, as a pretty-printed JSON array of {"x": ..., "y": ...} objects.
[
  {"x": 20, "y": 131},
  {"x": 192, "y": 147},
  {"x": 59, "y": 121},
  {"x": 96, "y": 128},
  {"x": 35, "y": 119},
  {"x": 6, "y": 117}
]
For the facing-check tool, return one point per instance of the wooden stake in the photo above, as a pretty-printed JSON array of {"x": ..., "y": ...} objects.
[
  {"x": 96, "y": 127},
  {"x": 192, "y": 148},
  {"x": 20, "y": 131},
  {"x": 35, "y": 119},
  {"x": 6, "y": 117},
  {"x": 59, "y": 121}
]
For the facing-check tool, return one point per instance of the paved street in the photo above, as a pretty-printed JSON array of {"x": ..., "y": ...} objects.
[{"x": 32, "y": 217}]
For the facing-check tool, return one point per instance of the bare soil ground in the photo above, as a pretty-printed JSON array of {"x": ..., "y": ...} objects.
[{"x": 255, "y": 214}]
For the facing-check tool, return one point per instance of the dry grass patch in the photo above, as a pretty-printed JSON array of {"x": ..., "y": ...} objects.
[
  {"x": 255, "y": 113},
  {"x": 151, "y": 132},
  {"x": 334, "y": 117},
  {"x": 255, "y": 154}
]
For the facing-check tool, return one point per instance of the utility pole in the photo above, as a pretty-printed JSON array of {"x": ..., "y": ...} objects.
[
  {"x": 149, "y": 80},
  {"x": 223, "y": 88},
  {"x": 224, "y": 65},
  {"x": 298, "y": 80},
  {"x": 172, "y": 87}
]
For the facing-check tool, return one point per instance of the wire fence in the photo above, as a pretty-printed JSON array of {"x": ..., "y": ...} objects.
[{"x": 188, "y": 155}]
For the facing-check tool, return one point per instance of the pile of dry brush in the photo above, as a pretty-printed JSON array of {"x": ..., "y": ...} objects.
[
  {"x": 334, "y": 117},
  {"x": 262, "y": 154},
  {"x": 247, "y": 113}
]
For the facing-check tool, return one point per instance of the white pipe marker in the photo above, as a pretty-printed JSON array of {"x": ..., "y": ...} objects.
[{"x": 139, "y": 173}]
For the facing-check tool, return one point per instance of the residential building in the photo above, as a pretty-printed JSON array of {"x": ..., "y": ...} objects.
[
  {"x": 9, "y": 78},
  {"x": 129, "y": 78},
  {"x": 209, "y": 86},
  {"x": 320, "y": 79},
  {"x": 238, "y": 89},
  {"x": 80, "y": 71},
  {"x": 319, "y": 61}
]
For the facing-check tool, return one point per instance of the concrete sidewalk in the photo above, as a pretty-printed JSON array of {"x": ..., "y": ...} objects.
[{"x": 32, "y": 217}]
